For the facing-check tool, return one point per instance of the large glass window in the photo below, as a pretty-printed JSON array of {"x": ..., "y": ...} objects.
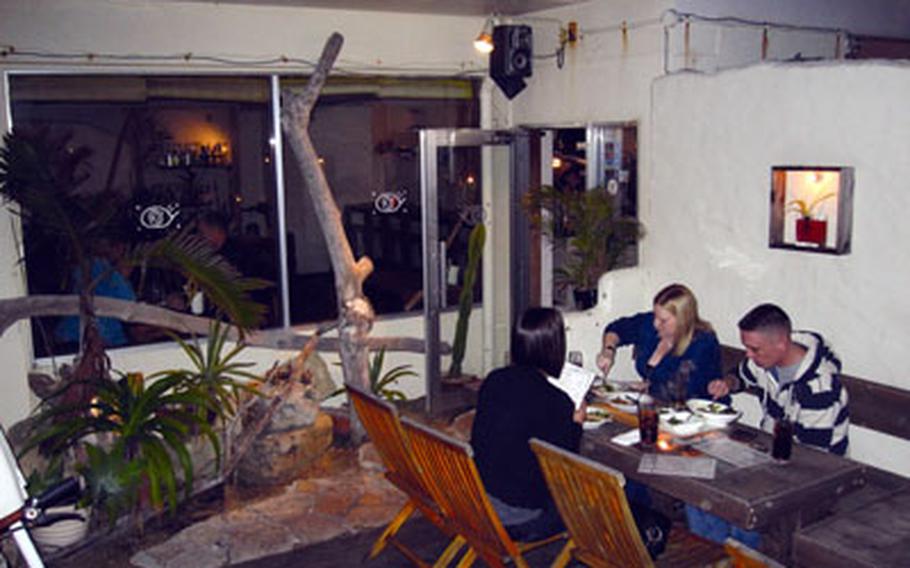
[
  {"x": 368, "y": 146},
  {"x": 180, "y": 151}
]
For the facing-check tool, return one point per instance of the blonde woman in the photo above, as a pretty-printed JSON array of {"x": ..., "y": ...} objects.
[{"x": 675, "y": 351}]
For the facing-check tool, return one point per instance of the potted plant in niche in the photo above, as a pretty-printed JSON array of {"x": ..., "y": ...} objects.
[
  {"x": 810, "y": 229},
  {"x": 586, "y": 226}
]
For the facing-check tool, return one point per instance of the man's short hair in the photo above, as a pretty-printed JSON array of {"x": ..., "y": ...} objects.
[
  {"x": 766, "y": 317},
  {"x": 539, "y": 340}
]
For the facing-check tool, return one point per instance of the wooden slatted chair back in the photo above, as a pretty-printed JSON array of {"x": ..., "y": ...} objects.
[
  {"x": 593, "y": 505},
  {"x": 458, "y": 489},
  {"x": 382, "y": 423}
]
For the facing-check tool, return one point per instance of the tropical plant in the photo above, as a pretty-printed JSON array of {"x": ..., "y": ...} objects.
[
  {"x": 380, "y": 383},
  {"x": 40, "y": 479},
  {"x": 806, "y": 208},
  {"x": 218, "y": 375},
  {"x": 466, "y": 298},
  {"x": 140, "y": 431},
  {"x": 586, "y": 225}
]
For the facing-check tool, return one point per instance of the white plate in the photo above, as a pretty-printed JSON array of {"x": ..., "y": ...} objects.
[
  {"x": 625, "y": 401},
  {"x": 712, "y": 411},
  {"x": 625, "y": 385},
  {"x": 681, "y": 422},
  {"x": 595, "y": 418}
]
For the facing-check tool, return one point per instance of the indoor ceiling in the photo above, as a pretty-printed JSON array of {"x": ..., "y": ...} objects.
[{"x": 450, "y": 7}]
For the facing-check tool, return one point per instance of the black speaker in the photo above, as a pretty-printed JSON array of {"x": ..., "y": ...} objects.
[{"x": 510, "y": 60}]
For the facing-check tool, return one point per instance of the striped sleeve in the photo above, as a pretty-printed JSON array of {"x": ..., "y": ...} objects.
[{"x": 823, "y": 417}]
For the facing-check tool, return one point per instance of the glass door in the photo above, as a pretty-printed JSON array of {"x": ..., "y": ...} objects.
[{"x": 471, "y": 177}]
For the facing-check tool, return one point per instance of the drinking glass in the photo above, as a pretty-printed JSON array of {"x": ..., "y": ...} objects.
[
  {"x": 647, "y": 420},
  {"x": 783, "y": 439}
]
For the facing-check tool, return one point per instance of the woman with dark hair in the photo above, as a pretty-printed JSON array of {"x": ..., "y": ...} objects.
[{"x": 517, "y": 403}]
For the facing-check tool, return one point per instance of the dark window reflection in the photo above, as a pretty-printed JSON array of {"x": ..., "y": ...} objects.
[
  {"x": 369, "y": 152},
  {"x": 194, "y": 153},
  {"x": 176, "y": 153}
]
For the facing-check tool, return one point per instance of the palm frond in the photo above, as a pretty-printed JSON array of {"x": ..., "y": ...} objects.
[{"x": 222, "y": 284}]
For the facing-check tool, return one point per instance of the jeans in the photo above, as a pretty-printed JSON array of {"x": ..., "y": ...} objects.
[
  {"x": 714, "y": 528},
  {"x": 528, "y": 525}
]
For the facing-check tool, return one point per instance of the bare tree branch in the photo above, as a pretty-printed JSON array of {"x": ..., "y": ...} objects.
[
  {"x": 15, "y": 309},
  {"x": 354, "y": 309}
]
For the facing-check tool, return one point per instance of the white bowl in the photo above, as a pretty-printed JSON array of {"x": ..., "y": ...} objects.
[
  {"x": 713, "y": 412},
  {"x": 595, "y": 418},
  {"x": 625, "y": 401},
  {"x": 681, "y": 422}
]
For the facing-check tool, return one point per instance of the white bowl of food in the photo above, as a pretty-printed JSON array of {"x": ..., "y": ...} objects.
[
  {"x": 595, "y": 417},
  {"x": 713, "y": 412},
  {"x": 680, "y": 422},
  {"x": 624, "y": 401}
]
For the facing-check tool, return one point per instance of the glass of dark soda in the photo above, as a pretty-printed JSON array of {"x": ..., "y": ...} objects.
[
  {"x": 783, "y": 439},
  {"x": 647, "y": 420}
]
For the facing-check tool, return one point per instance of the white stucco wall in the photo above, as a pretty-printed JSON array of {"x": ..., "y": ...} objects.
[
  {"x": 715, "y": 139},
  {"x": 889, "y": 18}
]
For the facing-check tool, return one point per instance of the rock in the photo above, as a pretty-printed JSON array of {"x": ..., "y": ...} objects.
[
  {"x": 308, "y": 512},
  {"x": 368, "y": 457},
  {"x": 279, "y": 457},
  {"x": 298, "y": 410},
  {"x": 321, "y": 384},
  {"x": 198, "y": 546}
]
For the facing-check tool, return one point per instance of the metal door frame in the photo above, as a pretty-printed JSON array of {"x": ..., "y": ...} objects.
[{"x": 431, "y": 141}]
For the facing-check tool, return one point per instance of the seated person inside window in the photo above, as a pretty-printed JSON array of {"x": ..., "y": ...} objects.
[
  {"x": 213, "y": 227},
  {"x": 517, "y": 403},
  {"x": 107, "y": 264}
]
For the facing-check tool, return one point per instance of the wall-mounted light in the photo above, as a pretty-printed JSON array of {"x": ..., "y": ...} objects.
[{"x": 484, "y": 41}]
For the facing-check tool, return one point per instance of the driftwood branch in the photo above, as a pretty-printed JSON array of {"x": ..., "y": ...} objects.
[
  {"x": 15, "y": 309},
  {"x": 354, "y": 309},
  {"x": 287, "y": 339}
]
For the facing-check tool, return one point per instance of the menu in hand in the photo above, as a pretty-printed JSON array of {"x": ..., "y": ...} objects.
[{"x": 574, "y": 381}]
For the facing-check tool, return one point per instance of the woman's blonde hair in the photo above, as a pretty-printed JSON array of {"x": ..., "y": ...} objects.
[{"x": 681, "y": 302}]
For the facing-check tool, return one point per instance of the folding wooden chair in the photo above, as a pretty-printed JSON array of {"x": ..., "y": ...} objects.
[
  {"x": 448, "y": 465},
  {"x": 602, "y": 531},
  {"x": 381, "y": 422},
  {"x": 593, "y": 505}
]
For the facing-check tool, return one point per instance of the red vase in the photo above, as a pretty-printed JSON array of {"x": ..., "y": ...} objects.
[{"x": 812, "y": 231}]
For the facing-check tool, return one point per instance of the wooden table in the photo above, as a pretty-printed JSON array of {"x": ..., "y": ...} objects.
[
  {"x": 776, "y": 499},
  {"x": 875, "y": 535}
]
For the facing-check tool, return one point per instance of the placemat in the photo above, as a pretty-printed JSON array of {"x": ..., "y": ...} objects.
[{"x": 682, "y": 466}]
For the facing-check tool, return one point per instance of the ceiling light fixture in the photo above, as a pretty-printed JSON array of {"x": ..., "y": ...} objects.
[{"x": 484, "y": 41}]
